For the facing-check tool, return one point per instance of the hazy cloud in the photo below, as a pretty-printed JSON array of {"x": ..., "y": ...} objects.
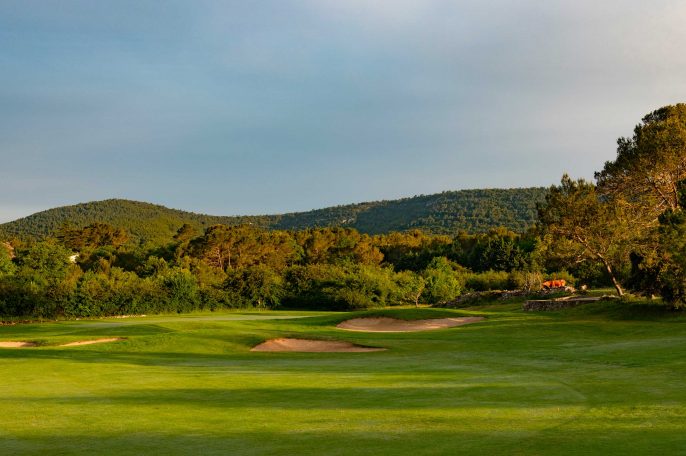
[{"x": 272, "y": 106}]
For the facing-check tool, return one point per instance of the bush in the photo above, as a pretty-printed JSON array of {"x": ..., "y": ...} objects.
[
  {"x": 488, "y": 280},
  {"x": 181, "y": 290},
  {"x": 340, "y": 287},
  {"x": 562, "y": 275},
  {"x": 257, "y": 286},
  {"x": 442, "y": 282},
  {"x": 526, "y": 281}
]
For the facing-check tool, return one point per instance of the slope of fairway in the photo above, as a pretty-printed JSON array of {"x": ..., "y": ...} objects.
[{"x": 562, "y": 384}]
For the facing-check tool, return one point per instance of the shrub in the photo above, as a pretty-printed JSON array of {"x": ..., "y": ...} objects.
[
  {"x": 526, "y": 281},
  {"x": 488, "y": 280},
  {"x": 181, "y": 290},
  {"x": 562, "y": 275},
  {"x": 257, "y": 286},
  {"x": 442, "y": 282},
  {"x": 340, "y": 287}
]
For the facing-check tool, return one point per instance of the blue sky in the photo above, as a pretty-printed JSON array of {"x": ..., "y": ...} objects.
[{"x": 266, "y": 106}]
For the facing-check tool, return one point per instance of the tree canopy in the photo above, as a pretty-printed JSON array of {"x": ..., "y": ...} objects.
[{"x": 649, "y": 165}]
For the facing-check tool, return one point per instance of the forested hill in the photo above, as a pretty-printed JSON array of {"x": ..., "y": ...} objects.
[{"x": 447, "y": 212}]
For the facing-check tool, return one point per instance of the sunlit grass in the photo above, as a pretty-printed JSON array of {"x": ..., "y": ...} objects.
[{"x": 590, "y": 381}]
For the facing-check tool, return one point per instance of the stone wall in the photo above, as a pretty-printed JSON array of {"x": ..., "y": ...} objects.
[{"x": 545, "y": 305}]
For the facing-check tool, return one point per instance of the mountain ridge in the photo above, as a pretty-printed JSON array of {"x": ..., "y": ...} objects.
[{"x": 447, "y": 212}]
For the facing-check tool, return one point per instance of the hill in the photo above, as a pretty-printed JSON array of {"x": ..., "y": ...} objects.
[{"x": 445, "y": 213}]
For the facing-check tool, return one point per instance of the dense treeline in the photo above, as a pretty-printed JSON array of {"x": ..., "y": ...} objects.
[
  {"x": 246, "y": 266},
  {"x": 445, "y": 213}
]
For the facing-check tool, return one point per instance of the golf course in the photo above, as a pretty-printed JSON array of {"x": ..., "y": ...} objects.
[{"x": 603, "y": 378}]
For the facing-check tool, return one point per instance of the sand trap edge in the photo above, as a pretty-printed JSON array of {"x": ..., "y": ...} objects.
[
  {"x": 294, "y": 345},
  {"x": 93, "y": 341},
  {"x": 17, "y": 344},
  {"x": 388, "y": 324}
]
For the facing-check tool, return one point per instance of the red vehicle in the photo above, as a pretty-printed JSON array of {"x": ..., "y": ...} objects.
[{"x": 548, "y": 284}]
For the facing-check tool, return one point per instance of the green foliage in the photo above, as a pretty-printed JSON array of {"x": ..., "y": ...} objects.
[
  {"x": 649, "y": 165},
  {"x": 93, "y": 236},
  {"x": 338, "y": 245},
  {"x": 365, "y": 287},
  {"x": 117, "y": 292},
  {"x": 498, "y": 249},
  {"x": 256, "y": 286},
  {"x": 489, "y": 280},
  {"x": 581, "y": 225},
  {"x": 447, "y": 212},
  {"x": 502, "y": 254},
  {"x": 643, "y": 182},
  {"x": 562, "y": 275},
  {"x": 44, "y": 261},
  {"x": 527, "y": 281},
  {"x": 245, "y": 266},
  {"x": 409, "y": 287},
  {"x": 234, "y": 247},
  {"x": 442, "y": 283},
  {"x": 7, "y": 266},
  {"x": 181, "y": 289},
  {"x": 413, "y": 250},
  {"x": 345, "y": 286},
  {"x": 671, "y": 272}
]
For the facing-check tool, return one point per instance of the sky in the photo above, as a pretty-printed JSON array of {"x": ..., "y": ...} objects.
[{"x": 272, "y": 106}]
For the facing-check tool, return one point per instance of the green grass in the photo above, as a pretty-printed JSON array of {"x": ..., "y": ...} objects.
[{"x": 596, "y": 379}]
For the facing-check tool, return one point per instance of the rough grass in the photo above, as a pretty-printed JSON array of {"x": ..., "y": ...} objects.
[{"x": 597, "y": 379}]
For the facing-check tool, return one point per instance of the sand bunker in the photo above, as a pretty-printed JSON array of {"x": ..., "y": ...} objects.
[
  {"x": 385, "y": 324},
  {"x": 312, "y": 346},
  {"x": 94, "y": 341},
  {"x": 14, "y": 344}
]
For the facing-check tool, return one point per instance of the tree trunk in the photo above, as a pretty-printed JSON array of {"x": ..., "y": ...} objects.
[
  {"x": 618, "y": 287},
  {"x": 417, "y": 296}
]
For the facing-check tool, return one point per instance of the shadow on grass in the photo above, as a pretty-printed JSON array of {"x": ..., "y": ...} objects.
[
  {"x": 51, "y": 330},
  {"x": 518, "y": 440},
  {"x": 625, "y": 311},
  {"x": 428, "y": 396}
]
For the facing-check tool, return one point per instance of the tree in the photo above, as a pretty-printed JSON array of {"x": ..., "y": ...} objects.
[
  {"x": 185, "y": 233},
  {"x": 7, "y": 267},
  {"x": 45, "y": 261},
  {"x": 577, "y": 220},
  {"x": 93, "y": 236},
  {"x": 45, "y": 277},
  {"x": 235, "y": 247},
  {"x": 336, "y": 245},
  {"x": 442, "y": 283},
  {"x": 644, "y": 182},
  {"x": 257, "y": 285},
  {"x": 502, "y": 254},
  {"x": 672, "y": 252},
  {"x": 649, "y": 165},
  {"x": 410, "y": 286},
  {"x": 220, "y": 246}
]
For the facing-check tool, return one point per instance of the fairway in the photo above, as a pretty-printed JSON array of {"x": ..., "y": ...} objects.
[{"x": 572, "y": 383}]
